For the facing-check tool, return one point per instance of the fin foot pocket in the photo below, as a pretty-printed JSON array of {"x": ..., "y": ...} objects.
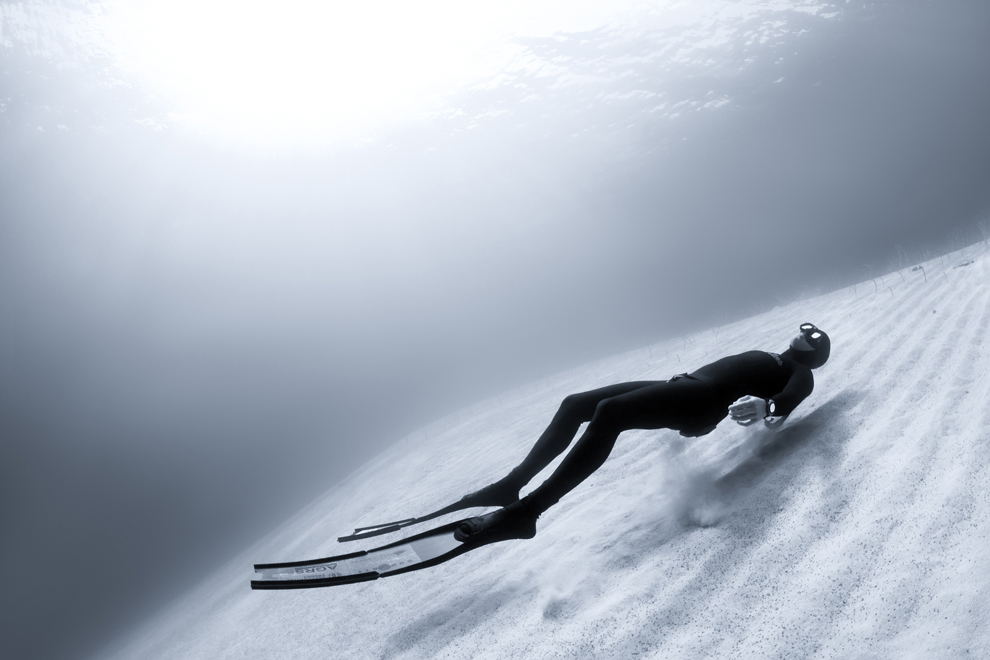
[{"x": 512, "y": 522}]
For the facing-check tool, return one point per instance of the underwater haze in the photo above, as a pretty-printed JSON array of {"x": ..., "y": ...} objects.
[{"x": 245, "y": 248}]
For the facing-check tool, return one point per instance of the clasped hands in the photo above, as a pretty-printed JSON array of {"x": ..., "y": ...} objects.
[{"x": 748, "y": 410}]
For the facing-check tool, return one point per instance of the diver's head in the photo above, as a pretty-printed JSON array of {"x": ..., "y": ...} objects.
[{"x": 810, "y": 346}]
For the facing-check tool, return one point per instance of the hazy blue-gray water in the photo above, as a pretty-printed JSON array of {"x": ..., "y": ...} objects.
[{"x": 198, "y": 335}]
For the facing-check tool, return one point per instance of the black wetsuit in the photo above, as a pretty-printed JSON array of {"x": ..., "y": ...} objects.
[
  {"x": 757, "y": 373},
  {"x": 690, "y": 403}
]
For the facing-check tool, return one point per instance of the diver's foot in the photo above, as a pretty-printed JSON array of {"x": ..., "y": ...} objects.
[
  {"x": 512, "y": 522},
  {"x": 500, "y": 493}
]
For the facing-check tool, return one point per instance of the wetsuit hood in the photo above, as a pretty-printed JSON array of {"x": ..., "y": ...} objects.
[{"x": 820, "y": 344}]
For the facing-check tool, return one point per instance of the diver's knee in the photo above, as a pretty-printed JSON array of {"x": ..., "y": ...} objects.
[
  {"x": 570, "y": 401},
  {"x": 608, "y": 413},
  {"x": 577, "y": 405}
]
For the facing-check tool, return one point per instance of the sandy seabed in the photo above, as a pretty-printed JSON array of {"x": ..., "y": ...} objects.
[{"x": 858, "y": 530}]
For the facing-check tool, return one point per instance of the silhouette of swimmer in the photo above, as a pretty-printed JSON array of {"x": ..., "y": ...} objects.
[{"x": 747, "y": 387}]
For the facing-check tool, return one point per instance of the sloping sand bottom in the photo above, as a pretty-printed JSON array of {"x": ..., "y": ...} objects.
[{"x": 859, "y": 530}]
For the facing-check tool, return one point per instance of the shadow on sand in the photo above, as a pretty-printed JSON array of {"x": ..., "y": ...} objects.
[
  {"x": 739, "y": 499},
  {"x": 781, "y": 458},
  {"x": 824, "y": 431},
  {"x": 439, "y": 627}
]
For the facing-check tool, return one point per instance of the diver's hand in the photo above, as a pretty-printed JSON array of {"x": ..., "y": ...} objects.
[{"x": 748, "y": 410}]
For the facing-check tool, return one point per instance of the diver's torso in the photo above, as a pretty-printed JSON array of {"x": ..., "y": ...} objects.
[{"x": 756, "y": 373}]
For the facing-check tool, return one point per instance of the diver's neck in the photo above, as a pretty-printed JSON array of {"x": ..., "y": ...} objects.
[{"x": 796, "y": 355}]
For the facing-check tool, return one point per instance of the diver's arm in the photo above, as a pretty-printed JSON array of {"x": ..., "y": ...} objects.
[
  {"x": 780, "y": 405},
  {"x": 750, "y": 409}
]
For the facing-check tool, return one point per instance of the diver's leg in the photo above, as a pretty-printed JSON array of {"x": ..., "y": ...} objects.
[
  {"x": 574, "y": 410},
  {"x": 660, "y": 405},
  {"x": 654, "y": 407}
]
